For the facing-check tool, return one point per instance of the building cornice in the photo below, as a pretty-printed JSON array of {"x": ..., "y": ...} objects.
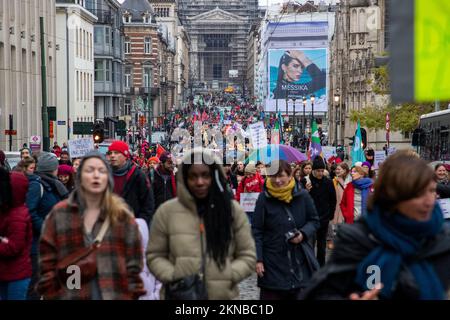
[{"x": 84, "y": 13}]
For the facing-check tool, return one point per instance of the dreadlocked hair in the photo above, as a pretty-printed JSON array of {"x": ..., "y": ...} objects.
[{"x": 218, "y": 216}]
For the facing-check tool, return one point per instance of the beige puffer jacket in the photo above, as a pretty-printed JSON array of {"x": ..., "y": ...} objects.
[{"x": 174, "y": 249}]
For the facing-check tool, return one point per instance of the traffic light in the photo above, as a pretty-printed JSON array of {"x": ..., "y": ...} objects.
[{"x": 98, "y": 133}]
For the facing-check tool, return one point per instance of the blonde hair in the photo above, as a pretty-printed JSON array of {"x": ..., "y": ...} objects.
[{"x": 114, "y": 206}]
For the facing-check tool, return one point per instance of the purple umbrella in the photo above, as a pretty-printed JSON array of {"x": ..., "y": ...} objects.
[{"x": 276, "y": 152}]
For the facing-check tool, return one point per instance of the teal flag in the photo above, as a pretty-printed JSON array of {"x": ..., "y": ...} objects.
[
  {"x": 315, "y": 146},
  {"x": 357, "y": 151}
]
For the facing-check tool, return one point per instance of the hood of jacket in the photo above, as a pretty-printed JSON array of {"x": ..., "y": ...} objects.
[
  {"x": 19, "y": 185},
  {"x": 183, "y": 193}
]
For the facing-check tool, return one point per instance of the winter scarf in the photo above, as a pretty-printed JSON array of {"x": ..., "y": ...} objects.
[
  {"x": 120, "y": 172},
  {"x": 284, "y": 193},
  {"x": 443, "y": 181},
  {"x": 56, "y": 185},
  {"x": 363, "y": 184},
  {"x": 401, "y": 239}
]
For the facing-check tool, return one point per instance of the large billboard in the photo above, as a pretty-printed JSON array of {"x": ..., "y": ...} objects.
[{"x": 297, "y": 64}]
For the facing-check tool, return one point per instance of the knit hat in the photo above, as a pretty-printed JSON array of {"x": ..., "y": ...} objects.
[
  {"x": 65, "y": 170},
  {"x": 153, "y": 159},
  {"x": 165, "y": 156},
  {"x": 98, "y": 155},
  {"x": 250, "y": 168},
  {"x": 318, "y": 163},
  {"x": 120, "y": 146},
  {"x": 360, "y": 170},
  {"x": 366, "y": 163},
  {"x": 47, "y": 162}
]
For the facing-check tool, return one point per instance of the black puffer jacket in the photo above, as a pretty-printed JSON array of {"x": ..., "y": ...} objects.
[
  {"x": 162, "y": 186},
  {"x": 324, "y": 196},
  {"x": 353, "y": 243},
  {"x": 270, "y": 224}
]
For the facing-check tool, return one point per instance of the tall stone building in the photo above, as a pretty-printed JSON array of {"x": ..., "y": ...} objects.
[
  {"x": 142, "y": 83},
  {"x": 20, "y": 68},
  {"x": 75, "y": 65},
  {"x": 218, "y": 30},
  {"x": 360, "y": 40},
  {"x": 109, "y": 91},
  {"x": 166, "y": 12}
]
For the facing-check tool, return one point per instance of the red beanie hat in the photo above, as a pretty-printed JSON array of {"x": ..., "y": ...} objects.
[
  {"x": 120, "y": 146},
  {"x": 154, "y": 159},
  {"x": 64, "y": 170}
]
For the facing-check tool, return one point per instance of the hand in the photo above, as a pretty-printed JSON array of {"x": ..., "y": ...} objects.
[
  {"x": 4, "y": 240},
  {"x": 308, "y": 186},
  {"x": 297, "y": 239},
  {"x": 369, "y": 294},
  {"x": 260, "y": 269},
  {"x": 300, "y": 56}
]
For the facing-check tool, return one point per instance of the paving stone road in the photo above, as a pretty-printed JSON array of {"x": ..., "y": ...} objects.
[{"x": 248, "y": 289}]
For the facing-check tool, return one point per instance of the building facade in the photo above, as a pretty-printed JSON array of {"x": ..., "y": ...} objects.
[
  {"x": 166, "y": 12},
  {"x": 75, "y": 65},
  {"x": 20, "y": 68},
  {"x": 361, "y": 36},
  {"x": 218, "y": 30},
  {"x": 109, "y": 90},
  {"x": 142, "y": 64}
]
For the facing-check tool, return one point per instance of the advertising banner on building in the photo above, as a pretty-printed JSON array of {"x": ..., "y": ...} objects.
[
  {"x": 297, "y": 64},
  {"x": 297, "y": 73}
]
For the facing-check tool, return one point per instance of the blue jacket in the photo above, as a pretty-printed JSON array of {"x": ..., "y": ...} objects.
[{"x": 44, "y": 192}]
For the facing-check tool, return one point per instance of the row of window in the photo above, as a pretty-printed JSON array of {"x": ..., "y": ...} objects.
[
  {"x": 129, "y": 81},
  {"x": 105, "y": 71},
  {"x": 162, "y": 12},
  {"x": 83, "y": 43},
  {"x": 147, "y": 45},
  {"x": 146, "y": 17},
  {"x": 84, "y": 86}
]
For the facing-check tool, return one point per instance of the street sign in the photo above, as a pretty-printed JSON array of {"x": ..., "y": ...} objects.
[
  {"x": 61, "y": 123},
  {"x": 35, "y": 143},
  {"x": 82, "y": 127},
  {"x": 10, "y": 132}
]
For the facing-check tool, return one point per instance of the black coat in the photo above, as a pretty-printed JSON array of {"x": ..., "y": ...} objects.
[
  {"x": 162, "y": 188},
  {"x": 270, "y": 224},
  {"x": 324, "y": 196},
  {"x": 443, "y": 190},
  {"x": 138, "y": 194},
  {"x": 353, "y": 243}
]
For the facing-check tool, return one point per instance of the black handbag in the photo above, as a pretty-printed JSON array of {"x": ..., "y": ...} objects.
[{"x": 192, "y": 287}]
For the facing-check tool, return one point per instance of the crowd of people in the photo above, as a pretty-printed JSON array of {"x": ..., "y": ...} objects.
[{"x": 150, "y": 226}]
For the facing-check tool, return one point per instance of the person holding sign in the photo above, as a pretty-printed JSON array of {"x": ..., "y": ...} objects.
[
  {"x": 251, "y": 183},
  {"x": 285, "y": 219},
  {"x": 400, "y": 243}
]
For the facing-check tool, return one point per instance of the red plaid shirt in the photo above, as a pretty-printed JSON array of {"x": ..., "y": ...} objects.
[{"x": 119, "y": 258}]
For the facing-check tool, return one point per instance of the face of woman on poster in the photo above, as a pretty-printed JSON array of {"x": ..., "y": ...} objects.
[{"x": 292, "y": 71}]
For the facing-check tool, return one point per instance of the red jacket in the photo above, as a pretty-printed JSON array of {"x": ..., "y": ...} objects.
[
  {"x": 254, "y": 184},
  {"x": 15, "y": 225},
  {"x": 348, "y": 203}
]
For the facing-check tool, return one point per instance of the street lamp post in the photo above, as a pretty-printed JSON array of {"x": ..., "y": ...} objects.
[
  {"x": 293, "y": 120},
  {"x": 304, "y": 117},
  {"x": 312, "y": 98},
  {"x": 336, "y": 100}
]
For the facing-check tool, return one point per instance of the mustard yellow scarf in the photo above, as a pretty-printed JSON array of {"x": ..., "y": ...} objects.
[{"x": 283, "y": 194}]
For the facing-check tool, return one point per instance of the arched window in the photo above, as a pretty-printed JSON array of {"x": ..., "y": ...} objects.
[
  {"x": 362, "y": 21},
  {"x": 353, "y": 20}
]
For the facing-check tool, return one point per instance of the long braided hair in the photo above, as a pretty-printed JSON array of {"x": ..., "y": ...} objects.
[{"x": 218, "y": 216}]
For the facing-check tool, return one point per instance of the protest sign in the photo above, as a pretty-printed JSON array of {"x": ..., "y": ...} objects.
[
  {"x": 79, "y": 147},
  {"x": 379, "y": 158},
  {"x": 248, "y": 201}
]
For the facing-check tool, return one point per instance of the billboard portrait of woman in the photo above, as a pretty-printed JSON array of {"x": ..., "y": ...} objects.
[{"x": 292, "y": 65}]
